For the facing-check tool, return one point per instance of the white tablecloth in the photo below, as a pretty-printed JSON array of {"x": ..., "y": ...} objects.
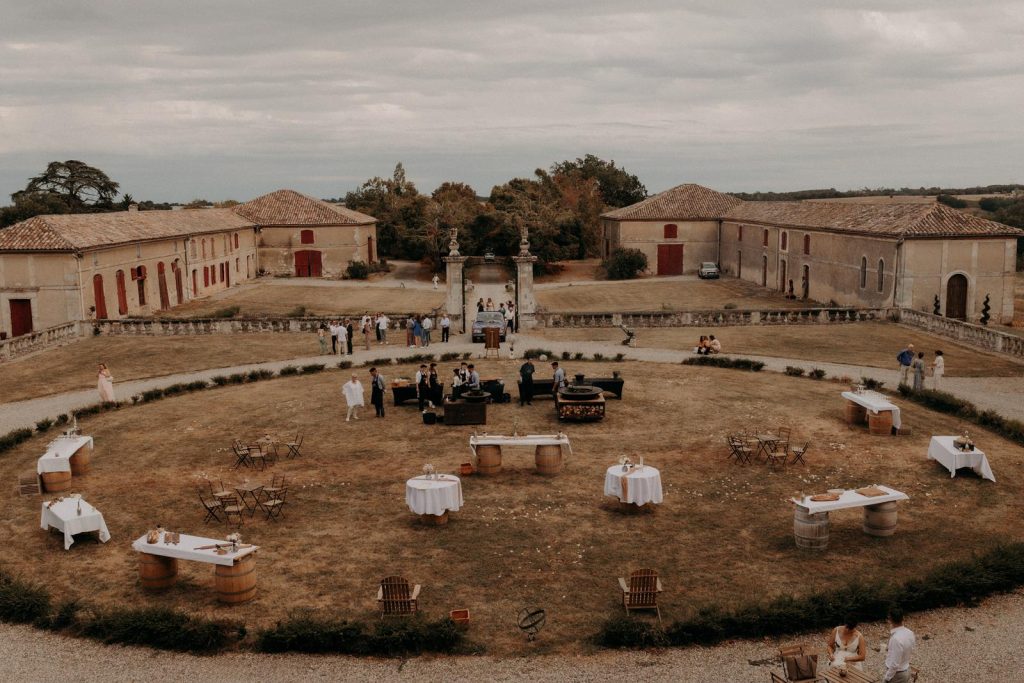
[
  {"x": 186, "y": 550},
  {"x": 434, "y": 496},
  {"x": 876, "y": 403},
  {"x": 58, "y": 455},
  {"x": 644, "y": 485},
  {"x": 941, "y": 449},
  {"x": 526, "y": 440},
  {"x": 850, "y": 499},
  {"x": 63, "y": 516}
]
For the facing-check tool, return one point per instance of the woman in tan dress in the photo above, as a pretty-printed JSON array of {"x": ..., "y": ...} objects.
[{"x": 105, "y": 384}]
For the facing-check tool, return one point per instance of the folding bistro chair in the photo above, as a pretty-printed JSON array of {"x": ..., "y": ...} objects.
[
  {"x": 295, "y": 446},
  {"x": 395, "y": 598},
  {"x": 738, "y": 449},
  {"x": 232, "y": 508},
  {"x": 799, "y": 452},
  {"x": 257, "y": 458},
  {"x": 783, "y": 441},
  {"x": 642, "y": 591},
  {"x": 212, "y": 507},
  {"x": 274, "y": 507},
  {"x": 242, "y": 454},
  {"x": 776, "y": 457},
  {"x": 276, "y": 484}
]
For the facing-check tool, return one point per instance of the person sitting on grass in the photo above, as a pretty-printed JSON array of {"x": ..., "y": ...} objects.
[
  {"x": 702, "y": 347},
  {"x": 714, "y": 346},
  {"x": 846, "y": 646}
]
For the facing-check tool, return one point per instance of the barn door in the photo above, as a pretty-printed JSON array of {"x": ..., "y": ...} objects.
[
  {"x": 302, "y": 264},
  {"x": 670, "y": 259},
  {"x": 956, "y": 297},
  {"x": 178, "y": 288},
  {"x": 369, "y": 249},
  {"x": 161, "y": 276},
  {"x": 99, "y": 297},
  {"x": 21, "y": 317}
]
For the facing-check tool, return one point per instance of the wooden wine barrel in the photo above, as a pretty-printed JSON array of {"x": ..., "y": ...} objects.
[
  {"x": 56, "y": 481},
  {"x": 856, "y": 414},
  {"x": 435, "y": 520},
  {"x": 488, "y": 460},
  {"x": 157, "y": 572},
  {"x": 810, "y": 530},
  {"x": 236, "y": 584},
  {"x": 880, "y": 424},
  {"x": 880, "y": 520},
  {"x": 81, "y": 461},
  {"x": 548, "y": 459}
]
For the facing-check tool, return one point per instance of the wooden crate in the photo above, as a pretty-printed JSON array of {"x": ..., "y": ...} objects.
[{"x": 28, "y": 484}]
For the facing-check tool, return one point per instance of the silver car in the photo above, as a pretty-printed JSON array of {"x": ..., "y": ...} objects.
[{"x": 708, "y": 271}]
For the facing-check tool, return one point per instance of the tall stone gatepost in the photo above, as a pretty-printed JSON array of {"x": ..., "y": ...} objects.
[
  {"x": 454, "y": 301},
  {"x": 526, "y": 302}
]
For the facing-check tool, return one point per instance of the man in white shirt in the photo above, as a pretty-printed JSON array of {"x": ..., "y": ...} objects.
[
  {"x": 474, "y": 378},
  {"x": 427, "y": 325},
  {"x": 446, "y": 324},
  {"x": 382, "y": 328},
  {"x": 559, "y": 378},
  {"x": 901, "y": 645},
  {"x": 510, "y": 318},
  {"x": 333, "y": 327},
  {"x": 342, "y": 339}
]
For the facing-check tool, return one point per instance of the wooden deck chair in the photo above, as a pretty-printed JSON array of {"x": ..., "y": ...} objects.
[
  {"x": 799, "y": 452},
  {"x": 274, "y": 507},
  {"x": 642, "y": 591},
  {"x": 29, "y": 484},
  {"x": 295, "y": 446},
  {"x": 212, "y": 507},
  {"x": 232, "y": 508},
  {"x": 394, "y": 597}
]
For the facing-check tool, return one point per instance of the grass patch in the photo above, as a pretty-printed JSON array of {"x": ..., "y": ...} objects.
[
  {"x": 945, "y": 402},
  {"x": 22, "y": 602},
  {"x": 720, "y": 362}
]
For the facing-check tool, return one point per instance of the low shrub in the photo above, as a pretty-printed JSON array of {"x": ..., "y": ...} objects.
[
  {"x": 44, "y": 425},
  {"x": 151, "y": 395},
  {"x": 625, "y": 264},
  {"x": 297, "y": 312},
  {"x": 729, "y": 306},
  {"x": 66, "y": 616},
  {"x": 566, "y": 355},
  {"x": 345, "y": 364},
  {"x": 720, "y": 362},
  {"x": 198, "y": 385},
  {"x": 21, "y": 601},
  {"x": 357, "y": 270},
  {"x": 466, "y": 355},
  {"x": 237, "y": 378},
  {"x": 537, "y": 353},
  {"x": 621, "y": 632},
  {"x": 62, "y": 419},
  {"x": 816, "y": 373},
  {"x": 945, "y": 402},
  {"x": 288, "y": 370},
  {"x": 619, "y": 357},
  {"x": 793, "y": 371},
  {"x": 378, "y": 362},
  {"x": 219, "y": 380},
  {"x": 175, "y": 389},
  {"x": 445, "y": 357},
  {"x": 598, "y": 356},
  {"x": 229, "y": 312},
  {"x": 159, "y": 628},
  {"x": 314, "y": 634},
  {"x": 312, "y": 368},
  {"x": 872, "y": 384},
  {"x": 578, "y": 355}
]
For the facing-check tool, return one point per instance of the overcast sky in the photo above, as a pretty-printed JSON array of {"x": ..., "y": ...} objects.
[{"x": 229, "y": 99}]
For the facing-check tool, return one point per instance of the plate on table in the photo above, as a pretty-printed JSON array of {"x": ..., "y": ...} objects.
[
  {"x": 871, "y": 491},
  {"x": 825, "y": 497}
]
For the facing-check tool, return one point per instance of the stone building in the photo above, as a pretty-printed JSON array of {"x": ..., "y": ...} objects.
[
  {"x": 918, "y": 256},
  {"x": 307, "y": 237}
]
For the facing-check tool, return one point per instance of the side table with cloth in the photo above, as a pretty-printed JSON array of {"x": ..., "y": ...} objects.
[
  {"x": 63, "y": 516},
  {"x": 875, "y": 403},
  {"x": 434, "y": 497},
  {"x": 941, "y": 449},
  {"x": 65, "y": 456},
  {"x": 636, "y": 486}
]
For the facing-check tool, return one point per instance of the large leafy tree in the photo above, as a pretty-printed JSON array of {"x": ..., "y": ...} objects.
[
  {"x": 618, "y": 187},
  {"x": 80, "y": 185},
  {"x": 401, "y": 213}
]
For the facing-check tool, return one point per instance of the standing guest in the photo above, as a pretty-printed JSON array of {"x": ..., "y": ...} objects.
[
  {"x": 847, "y": 647},
  {"x": 714, "y": 346},
  {"x": 377, "y": 391},
  {"x": 501, "y": 309},
  {"x": 427, "y": 325},
  {"x": 349, "y": 335},
  {"x": 479, "y": 305},
  {"x": 464, "y": 373},
  {"x": 376, "y": 326},
  {"x": 901, "y": 646},
  {"x": 446, "y": 324},
  {"x": 410, "y": 324},
  {"x": 321, "y": 335},
  {"x": 342, "y": 339},
  {"x": 512, "y": 311},
  {"x": 918, "y": 366},
  {"x": 559, "y": 380},
  {"x": 417, "y": 330},
  {"x": 333, "y": 327},
  {"x": 489, "y": 306},
  {"x": 456, "y": 383},
  {"x": 435, "y": 280},
  {"x": 510, "y": 318},
  {"x": 905, "y": 358},
  {"x": 474, "y": 378},
  {"x": 526, "y": 371},
  {"x": 938, "y": 369},
  {"x": 353, "y": 391},
  {"x": 367, "y": 325},
  {"x": 435, "y": 384},
  {"x": 105, "y": 384},
  {"x": 382, "y": 328},
  {"x": 422, "y": 386}
]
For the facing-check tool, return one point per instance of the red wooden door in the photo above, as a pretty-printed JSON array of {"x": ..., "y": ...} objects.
[
  {"x": 178, "y": 288},
  {"x": 122, "y": 293},
  {"x": 165, "y": 298},
  {"x": 308, "y": 263},
  {"x": 956, "y": 297},
  {"x": 227, "y": 274},
  {"x": 369, "y": 250},
  {"x": 99, "y": 297},
  {"x": 670, "y": 259},
  {"x": 195, "y": 283},
  {"x": 21, "y": 317}
]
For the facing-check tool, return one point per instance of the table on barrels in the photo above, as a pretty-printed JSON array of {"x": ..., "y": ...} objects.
[
  {"x": 65, "y": 456},
  {"x": 234, "y": 571},
  {"x": 874, "y": 409},
  {"x": 72, "y": 516},
  {"x": 548, "y": 455},
  {"x": 811, "y": 522},
  {"x": 943, "y": 450},
  {"x": 634, "y": 486},
  {"x": 431, "y": 497}
]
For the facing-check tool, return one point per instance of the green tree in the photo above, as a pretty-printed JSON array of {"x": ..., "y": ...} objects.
[
  {"x": 625, "y": 264},
  {"x": 401, "y": 213},
  {"x": 80, "y": 185},
  {"x": 618, "y": 187},
  {"x": 29, "y": 204}
]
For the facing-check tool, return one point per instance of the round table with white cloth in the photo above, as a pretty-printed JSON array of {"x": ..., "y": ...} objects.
[
  {"x": 434, "y": 496},
  {"x": 642, "y": 485}
]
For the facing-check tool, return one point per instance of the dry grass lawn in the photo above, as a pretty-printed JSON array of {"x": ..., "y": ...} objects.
[
  {"x": 722, "y": 536},
  {"x": 874, "y": 344},
  {"x": 661, "y": 295},
  {"x": 73, "y": 367},
  {"x": 278, "y": 300}
]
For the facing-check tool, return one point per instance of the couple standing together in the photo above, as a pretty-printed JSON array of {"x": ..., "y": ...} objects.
[
  {"x": 353, "y": 392},
  {"x": 911, "y": 362}
]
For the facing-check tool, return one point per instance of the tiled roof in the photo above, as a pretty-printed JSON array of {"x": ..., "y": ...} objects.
[
  {"x": 68, "y": 232},
  {"x": 890, "y": 220},
  {"x": 683, "y": 202},
  {"x": 288, "y": 207}
]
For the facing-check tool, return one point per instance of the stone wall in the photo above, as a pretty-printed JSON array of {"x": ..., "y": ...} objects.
[
  {"x": 193, "y": 326},
  {"x": 969, "y": 334},
  {"x": 715, "y": 318},
  {"x": 44, "y": 339}
]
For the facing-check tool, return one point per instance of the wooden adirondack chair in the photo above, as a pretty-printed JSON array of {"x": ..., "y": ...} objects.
[
  {"x": 394, "y": 597},
  {"x": 642, "y": 591}
]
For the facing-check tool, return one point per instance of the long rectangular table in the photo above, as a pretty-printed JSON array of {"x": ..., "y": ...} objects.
[
  {"x": 547, "y": 454},
  {"x": 525, "y": 440},
  {"x": 875, "y": 403},
  {"x": 234, "y": 571},
  {"x": 811, "y": 521},
  {"x": 942, "y": 450},
  {"x": 64, "y": 516}
]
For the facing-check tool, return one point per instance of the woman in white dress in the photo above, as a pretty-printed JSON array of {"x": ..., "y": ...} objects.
[
  {"x": 105, "y": 384},
  {"x": 846, "y": 647},
  {"x": 938, "y": 369},
  {"x": 353, "y": 391}
]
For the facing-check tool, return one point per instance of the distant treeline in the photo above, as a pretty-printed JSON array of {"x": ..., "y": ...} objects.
[{"x": 832, "y": 193}]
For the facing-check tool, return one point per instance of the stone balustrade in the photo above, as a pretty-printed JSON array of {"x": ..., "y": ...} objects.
[
  {"x": 161, "y": 327},
  {"x": 969, "y": 334},
  {"x": 37, "y": 341},
  {"x": 715, "y": 318}
]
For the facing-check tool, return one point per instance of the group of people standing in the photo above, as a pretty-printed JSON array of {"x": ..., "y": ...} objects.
[
  {"x": 418, "y": 329},
  {"x": 341, "y": 335},
  {"x": 915, "y": 363},
  {"x": 506, "y": 308}
]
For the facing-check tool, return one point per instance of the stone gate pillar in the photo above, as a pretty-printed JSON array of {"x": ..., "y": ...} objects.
[
  {"x": 454, "y": 299},
  {"x": 526, "y": 302}
]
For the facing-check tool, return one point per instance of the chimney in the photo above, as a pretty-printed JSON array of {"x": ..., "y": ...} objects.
[{"x": 133, "y": 207}]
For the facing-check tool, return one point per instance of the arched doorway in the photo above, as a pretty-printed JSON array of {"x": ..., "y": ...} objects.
[
  {"x": 99, "y": 297},
  {"x": 956, "y": 297}
]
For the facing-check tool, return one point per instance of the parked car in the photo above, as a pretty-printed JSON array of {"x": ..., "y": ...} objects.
[
  {"x": 486, "y": 319},
  {"x": 708, "y": 271},
  {"x": 489, "y": 256}
]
